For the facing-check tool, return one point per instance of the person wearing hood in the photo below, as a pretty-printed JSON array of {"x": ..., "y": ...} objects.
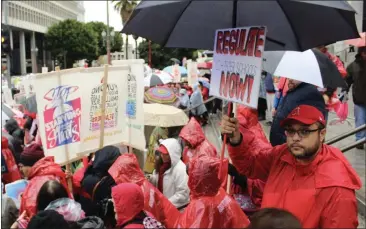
[
  {"x": 306, "y": 177},
  {"x": 196, "y": 102},
  {"x": 96, "y": 183},
  {"x": 127, "y": 170},
  {"x": 12, "y": 127},
  {"x": 13, "y": 173},
  {"x": 195, "y": 142},
  {"x": 357, "y": 79},
  {"x": 38, "y": 169},
  {"x": 128, "y": 201},
  {"x": 183, "y": 98},
  {"x": 171, "y": 179},
  {"x": 14, "y": 145},
  {"x": 210, "y": 206},
  {"x": 97, "y": 173}
]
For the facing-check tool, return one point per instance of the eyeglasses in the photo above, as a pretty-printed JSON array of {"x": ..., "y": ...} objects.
[{"x": 302, "y": 133}]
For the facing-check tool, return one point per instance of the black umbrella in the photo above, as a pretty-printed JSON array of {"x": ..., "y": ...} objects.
[
  {"x": 311, "y": 66},
  {"x": 291, "y": 24}
]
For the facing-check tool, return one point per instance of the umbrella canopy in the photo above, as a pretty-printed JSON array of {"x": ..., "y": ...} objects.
[
  {"x": 311, "y": 66},
  {"x": 163, "y": 95},
  {"x": 4, "y": 116},
  {"x": 291, "y": 25},
  {"x": 147, "y": 70},
  {"x": 359, "y": 42},
  {"x": 157, "y": 78},
  {"x": 169, "y": 69},
  {"x": 164, "y": 115}
]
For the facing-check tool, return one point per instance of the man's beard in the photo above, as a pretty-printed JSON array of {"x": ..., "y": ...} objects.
[{"x": 308, "y": 152}]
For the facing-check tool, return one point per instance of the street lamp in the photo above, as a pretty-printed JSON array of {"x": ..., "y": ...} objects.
[{"x": 107, "y": 41}]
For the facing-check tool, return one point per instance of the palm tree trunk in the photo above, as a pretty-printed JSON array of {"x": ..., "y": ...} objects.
[{"x": 126, "y": 47}]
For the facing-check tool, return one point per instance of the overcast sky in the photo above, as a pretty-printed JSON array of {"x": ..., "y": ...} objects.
[{"x": 97, "y": 11}]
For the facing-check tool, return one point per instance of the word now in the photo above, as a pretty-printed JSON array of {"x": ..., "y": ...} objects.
[
  {"x": 241, "y": 42},
  {"x": 233, "y": 86}
]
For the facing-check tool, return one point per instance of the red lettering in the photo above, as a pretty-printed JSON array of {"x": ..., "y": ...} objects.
[
  {"x": 226, "y": 42},
  {"x": 232, "y": 85},
  {"x": 233, "y": 41},
  {"x": 251, "y": 41},
  {"x": 241, "y": 49},
  {"x": 259, "y": 43},
  {"x": 222, "y": 84},
  {"x": 219, "y": 42},
  {"x": 241, "y": 88}
]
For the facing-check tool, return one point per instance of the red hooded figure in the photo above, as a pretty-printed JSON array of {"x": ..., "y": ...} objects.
[
  {"x": 13, "y": 173},
  {"x": 210, "y": 206},
  {"x": 193, "y": 134},
  {"x": 126, "y": 169},
  {"x": 44, "y": 169}
]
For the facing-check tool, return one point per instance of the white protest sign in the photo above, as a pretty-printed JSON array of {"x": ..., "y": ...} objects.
[
  {"x": 123, "y": 108},
  {"x": 237, "y": 64},
  {"x": 59, "y": 113},
  {"x": 192, "y": 72},
  {"x": 176, "y": 73},
  {"x": 6, "y": 96},
  {"x": 69, "y": 111}
]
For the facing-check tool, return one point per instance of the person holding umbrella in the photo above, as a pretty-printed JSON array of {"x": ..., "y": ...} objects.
[{"x": 306, "y": 177}]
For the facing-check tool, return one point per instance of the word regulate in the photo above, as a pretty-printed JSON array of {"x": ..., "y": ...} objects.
[{"x": 241, "y": 42}]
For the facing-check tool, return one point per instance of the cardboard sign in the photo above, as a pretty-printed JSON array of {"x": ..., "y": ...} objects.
[
  {"x": 70, "y": 107},
  {"x": 237, "y": 64},
  {"x": 192, "y": 72}
]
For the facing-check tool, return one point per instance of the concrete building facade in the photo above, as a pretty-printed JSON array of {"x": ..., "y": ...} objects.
[{"x": 27, "y": 22}]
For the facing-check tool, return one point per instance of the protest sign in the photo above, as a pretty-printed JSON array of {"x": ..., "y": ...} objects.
[
  {"x": 176, "y": 73},
  {"x": 70, "y": 110},
  {"x": 237, "y": 64},
  {"x": 192, "y": 72}
]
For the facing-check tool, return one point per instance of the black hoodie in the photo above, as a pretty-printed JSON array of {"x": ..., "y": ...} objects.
[{"x": 357, "y": 77}]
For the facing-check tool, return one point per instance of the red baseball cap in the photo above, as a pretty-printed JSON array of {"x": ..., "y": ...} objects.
[
  {"x": 305, "y": 114},
  {"x": 162, "y": 149}
]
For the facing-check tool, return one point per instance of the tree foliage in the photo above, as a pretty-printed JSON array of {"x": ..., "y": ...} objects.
[
  {"x": 116, "y": 41},
  {"x": 160, "y": 57},
  {"x": 73, "y": 39}
]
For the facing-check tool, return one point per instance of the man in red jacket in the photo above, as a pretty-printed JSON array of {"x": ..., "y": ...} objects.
[{"x": 313, "y": 181}]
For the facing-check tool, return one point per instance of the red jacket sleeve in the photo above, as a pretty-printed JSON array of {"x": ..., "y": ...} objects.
[
  {"x": 341, "y": 211},
  {"x": 251, "y": 157}
]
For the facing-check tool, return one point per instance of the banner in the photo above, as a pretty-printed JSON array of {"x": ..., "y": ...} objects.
[
  {"x": 192, "y": 72},
  {"x": 237, "y": 64},
  {"x": 69, "y": 110}
]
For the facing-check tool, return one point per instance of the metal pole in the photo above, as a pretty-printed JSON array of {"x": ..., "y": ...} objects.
[
  {"x": 5, "y": 5},
  {"x": 343, "y": 136},
  {"x": 353, "y": 145},
  {"x": 108, "y": 36}
]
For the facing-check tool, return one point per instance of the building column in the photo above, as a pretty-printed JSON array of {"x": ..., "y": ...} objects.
[
  {"x": 34, "y": 51},
  {"x": 23, "y": 64}
]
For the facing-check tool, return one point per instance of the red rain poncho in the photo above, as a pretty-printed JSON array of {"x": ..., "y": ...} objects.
[
  {"x": 128, "y": 202},
  {"x": 126, "y": 169},
  {"x": 321, "y": 194},
  {"x": 194, "y": 135},
  {"x": 41, "y": 172},
  {"x": 13, "y": 173},
  {"x": 210, "y": 206}
]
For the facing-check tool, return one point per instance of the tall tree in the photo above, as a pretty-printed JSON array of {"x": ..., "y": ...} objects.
[
  {"x": 125, "y": 8},
  {"x": 161, "y": 57},
  {"x": 98, "y": 28},
  {"x": 71, "y": 40}
]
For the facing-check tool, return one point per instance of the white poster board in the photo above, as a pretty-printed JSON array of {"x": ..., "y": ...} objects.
[
  {"x": 237, "y": 64},
  {"x": 176, "y": 73},
  {"x": 192, "y": 72},
  {"x": 68, "y": 105}
]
